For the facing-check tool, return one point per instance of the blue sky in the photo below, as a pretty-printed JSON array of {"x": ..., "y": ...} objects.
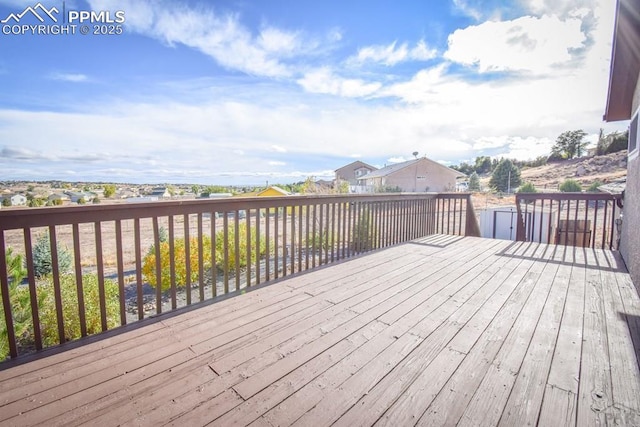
[{"x": 243, "y": 92}]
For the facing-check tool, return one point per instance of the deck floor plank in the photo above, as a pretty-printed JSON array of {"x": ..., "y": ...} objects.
[{"x": 442, "y": 330}]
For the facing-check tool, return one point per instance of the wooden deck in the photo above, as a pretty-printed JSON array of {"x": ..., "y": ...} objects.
[{"x": 440, "y": 331}]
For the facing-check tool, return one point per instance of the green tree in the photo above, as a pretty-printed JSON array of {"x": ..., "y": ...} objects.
[
  {"x": 569, "y": 144},
  {"x": 42, "y": 257},
  {"x": 617, "y": 142},
  {"x": 474, "y": 182},
  {"x": 483, "y": 164},
  {"x": 6, "y": 202},
  {"x": 505, "y": 177},
  {"x": 195, "y": 189},
  {"x": 527, "y": 187},
  {"x": 109, "y": 190},
  {"x": 571, "y": 186}
]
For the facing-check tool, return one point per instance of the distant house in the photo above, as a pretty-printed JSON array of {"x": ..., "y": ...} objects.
[
  {"x": 126, "y": 193},
  {"x": 58, "y": 196},
  {"x": 160, "y": 192},
  {"x": 623, "y": 103},
  {"x": 273, "y": 191},
  {"x": 419, "y": 175},
  {"x": 76, "y": 196},
  {"x": 351, "y": 173},
  {"x": 14, "y": 199}
]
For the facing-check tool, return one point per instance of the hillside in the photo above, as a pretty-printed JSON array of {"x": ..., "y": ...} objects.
[{"x": 586, "y": 170}]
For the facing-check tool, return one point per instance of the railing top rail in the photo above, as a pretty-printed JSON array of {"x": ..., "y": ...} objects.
[
  {"x": 567, "y": 196},
  {"x": 61, "y": 215},
  {"x": 457, "y": 195}
]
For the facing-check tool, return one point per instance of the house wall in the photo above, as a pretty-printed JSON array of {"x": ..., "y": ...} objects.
[
  {"x": 421, "y": 177},
  {"x": 348, "y": 173},
  {"x": 630, "y": 241}
]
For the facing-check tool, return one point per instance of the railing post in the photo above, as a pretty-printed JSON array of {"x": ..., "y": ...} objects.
[
  {"x": 471, "y": 227},
  {"x": 520, "y": 231}
]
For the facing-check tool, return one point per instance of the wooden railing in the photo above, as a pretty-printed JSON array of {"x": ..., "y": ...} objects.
[
  {"x": 93, "y": 268},
  {"x": 571, "y": 219}
]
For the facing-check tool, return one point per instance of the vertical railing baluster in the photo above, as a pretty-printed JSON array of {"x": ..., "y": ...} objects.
[
  {"x": 306, "y": 232},
  {"x": 613, "y": 224},
  {"x": 595, "y": 223},
  {"x": 6, "y": 299},
  {"x": 136, "y": 244},
  {"x": 214, "y": 254},
  {"x": 200, "y": 258},
  {"x": 100, "y": 266},
  {"x": 236, "y": 245},
  {"x": 284, "y": 241},
  {"x": 225, "y": 246},
  {"x": 314, "y": 233},
  {"x": 276, "y": 240},
  {"x": 267, "y": 222},
  {"x": 187, "y": 256},
  {"x": 331, "y": 220},
  {"x": 77, "y": 262},
  {"x": 172, "y": 262},
  {"x": 158, "y": 254},
  {"x": 592, "y": 236},
  {"x": 120, "y": 268},
  {"x": 56, "y": 282},
  {"x": 33, "y": 296}
]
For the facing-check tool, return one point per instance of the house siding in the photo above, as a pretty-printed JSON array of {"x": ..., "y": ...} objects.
[
  {"x": 422, "y": 176},
  {"x": 630, "y": 242},
  {"x": 349, "y": 173}
]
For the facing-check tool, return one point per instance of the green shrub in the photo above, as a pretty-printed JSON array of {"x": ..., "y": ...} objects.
[
  {"x": 20, "y": 301},
  {"x": 180, "y": 265},
  {"x": 242, "y": 247},
  {"x": 362, "y": 236},
  {"x": 571, "y": 186},
  {"x": 68, "y": 290},
  {"x": 527, "y": 187},
  {"x": 149, "y": 262},
  {"x": 593, "y": 188},
  {"x": 42, "y": 257}
]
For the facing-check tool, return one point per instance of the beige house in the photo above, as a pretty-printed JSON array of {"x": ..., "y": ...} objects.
[
  {"x": 351, "y": 173},
  {"x": 623, "y": 103},
  {"x": 419, "y": 175}
]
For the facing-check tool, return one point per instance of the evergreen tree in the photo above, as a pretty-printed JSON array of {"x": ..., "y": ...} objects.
[
  {"x": 474, "y": 182},
  {"x": 505, "y": 177}
]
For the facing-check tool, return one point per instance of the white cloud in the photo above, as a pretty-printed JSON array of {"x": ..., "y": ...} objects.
[
  {"x": 278, "y": 149},
  {"x": 69, "y": 77},
  {"x": 393, "y": 53},
  {"x": 325, "y": 81},
  {"x": 276, "y": 163},
  {"x": 465, "y": 7},
  {"x": 221, "y": 36},
  {"x": 526, "y": 44},
  {"x": 559, "y": 7},
  {"x": 398, "y": 159}
]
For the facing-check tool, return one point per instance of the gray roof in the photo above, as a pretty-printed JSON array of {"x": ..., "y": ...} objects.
[
  {"x": 388, "y": 170},
  {"x": 360, "y": 163}
]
